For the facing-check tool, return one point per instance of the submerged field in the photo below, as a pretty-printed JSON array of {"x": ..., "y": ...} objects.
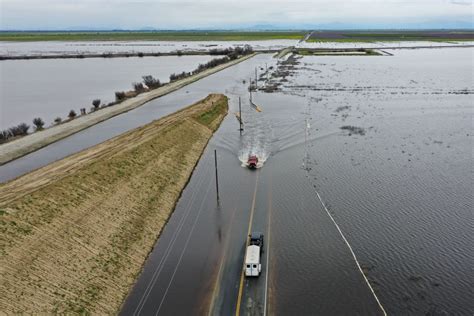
[
  {"x": 76, "y": 232},
  {"x": 149, "y": 36},
  {"x": 384, "y": 140},
  {"x": 69, "y": 82}
]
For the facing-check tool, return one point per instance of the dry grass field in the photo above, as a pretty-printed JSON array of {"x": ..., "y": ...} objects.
[{"x": 75, "y": 233}]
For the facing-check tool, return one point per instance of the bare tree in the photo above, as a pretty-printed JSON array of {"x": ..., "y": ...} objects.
[
  {"x": 38, "y": 123},
  {"x": 72, "y": 114}
]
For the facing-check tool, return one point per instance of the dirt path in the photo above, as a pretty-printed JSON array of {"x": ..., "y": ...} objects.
[
  {"x": 76, "y": 233},
  {"x": 32, "y": 142}
]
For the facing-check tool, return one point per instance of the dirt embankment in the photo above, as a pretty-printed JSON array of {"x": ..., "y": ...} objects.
[
  {"x": 35, "y": 141},
  {"x": 74, "y": 234}
]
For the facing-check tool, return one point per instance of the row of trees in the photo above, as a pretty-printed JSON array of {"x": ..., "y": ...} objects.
[
  {"x": 232, "y": 54},
  {"x": 236, "y": 51},
  {"x": 149, "y": 83},
  {"x": 210, "y": 64},
  {"x": 14, "y": 131},
  {"x": 23, "y": 128}
]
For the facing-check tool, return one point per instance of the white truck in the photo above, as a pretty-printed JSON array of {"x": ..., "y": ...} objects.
[{"x": 253, "y": 267}]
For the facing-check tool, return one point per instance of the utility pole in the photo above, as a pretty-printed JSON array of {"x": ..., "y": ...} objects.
[
  {"x": 250, "y": 89},
  {"x": 240, "y": 117},
  {"x": 266, "y": 71},
  {"x": 217, "y": 179},
  {"x": 256, "y": 79}
]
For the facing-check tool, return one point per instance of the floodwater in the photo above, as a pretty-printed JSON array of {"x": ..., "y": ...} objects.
[
  {"x": 98, "y": 47},
  {"x": 51, "y": 88},
  {"x": 393, "y": 44},
  {"x": 397, "y": 179}
]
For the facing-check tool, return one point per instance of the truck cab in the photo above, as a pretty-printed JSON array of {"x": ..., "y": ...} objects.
[{"x": 256, "y": 238}]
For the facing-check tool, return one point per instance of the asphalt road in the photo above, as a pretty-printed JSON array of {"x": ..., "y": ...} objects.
[
  {"x": 252, "y": 292},
  {"x": 196, "y": 268}
]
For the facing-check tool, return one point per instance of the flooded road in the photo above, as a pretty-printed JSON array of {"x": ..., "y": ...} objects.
[
  {"x": 386, "y": 142},
  {"x": 197, "y": 265}
]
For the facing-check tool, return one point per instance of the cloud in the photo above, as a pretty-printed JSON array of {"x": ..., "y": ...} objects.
[
  {"x": 180, "y": 14},
  {"x": 462, "y": 2}
]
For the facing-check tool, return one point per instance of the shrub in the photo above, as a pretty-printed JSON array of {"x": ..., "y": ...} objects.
[
  {"x": 138, "y": 87},
  {"x": 19, "y": 130},
  {"x": 72, "y": 114},
  {"x": 184, "y": 74},
  {"x": 140, "y": 54},
  {"x": 151, "y": 82},
  {"x": 96, "y": 103},
  {"x": 212, "y": 63},
  {"x": 23, "y": 128},
  {"x": 4, "y": 136},
  {"x": 232, "y": 52},
  {"x": 120, "y": 96},
  {"x": 39, "y": 123},
  {"x": 58, "y": 120}
]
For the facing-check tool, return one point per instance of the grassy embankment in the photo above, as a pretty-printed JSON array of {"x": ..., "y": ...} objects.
[
  {"x": 355, "y": 37},
  {"x": 74, "y": 234},
  {"x": 149, "y": 36}
]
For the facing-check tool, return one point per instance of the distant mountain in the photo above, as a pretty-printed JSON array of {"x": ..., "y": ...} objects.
[{"x": 465, "y": 23}]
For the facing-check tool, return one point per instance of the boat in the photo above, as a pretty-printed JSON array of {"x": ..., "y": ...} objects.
[{"x": 252, "y": 162}]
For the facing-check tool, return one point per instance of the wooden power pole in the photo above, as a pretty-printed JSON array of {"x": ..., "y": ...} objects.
[
  {"x": 250, "y": 89},
  {"x": 217, "y": 179},
  {"x": 256, "y": 79},
  {"x": 240, "y": 117}
]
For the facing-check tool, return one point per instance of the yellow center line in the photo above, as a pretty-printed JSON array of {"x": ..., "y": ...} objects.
[
  {"x": 217, "y": 283},
  {"x": 266, "y": 304},
  {"x": 239, "y": 297}
]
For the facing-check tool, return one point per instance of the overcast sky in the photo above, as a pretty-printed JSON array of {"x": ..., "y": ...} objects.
[{"x": 186, "y": 14}]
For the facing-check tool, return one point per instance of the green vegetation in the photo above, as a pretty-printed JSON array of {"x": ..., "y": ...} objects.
[
  {"x": 401, "y": 39},
  {"x": 149, "y": 36},
  {"x": 218, "y": 108},
  {"x": 349, "y": 37}
]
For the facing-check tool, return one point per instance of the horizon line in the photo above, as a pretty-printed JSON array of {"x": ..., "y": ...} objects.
[{"x": 248, "y": 29}]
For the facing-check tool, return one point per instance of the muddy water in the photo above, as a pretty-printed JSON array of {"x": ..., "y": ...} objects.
[
  {"x": 397, "y": 180},
  {"x": 51, "y": 88},
  {"x": 402, "y": 191},
  {"x": 393, "y": 44}
]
